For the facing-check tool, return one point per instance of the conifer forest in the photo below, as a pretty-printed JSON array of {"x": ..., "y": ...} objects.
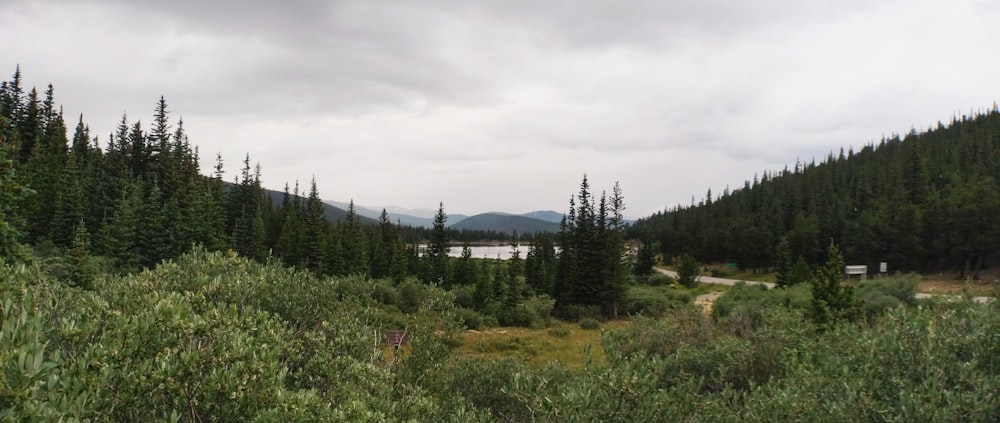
[{"x": 133, "y": 287}]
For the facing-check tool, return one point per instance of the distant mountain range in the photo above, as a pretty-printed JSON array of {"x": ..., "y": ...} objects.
[
  {"x": 536, "y": 221},
  {"x": 506, "y": 223}
]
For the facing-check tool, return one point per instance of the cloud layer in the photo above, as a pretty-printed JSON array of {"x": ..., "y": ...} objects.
[{"x": 504, "y": 105}]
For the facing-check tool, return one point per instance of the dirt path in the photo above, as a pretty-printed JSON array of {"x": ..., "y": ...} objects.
[{"x": 707, "y": 299}]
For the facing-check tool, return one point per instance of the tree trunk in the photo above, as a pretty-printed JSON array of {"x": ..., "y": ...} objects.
[{"x": 979, "y": 265}]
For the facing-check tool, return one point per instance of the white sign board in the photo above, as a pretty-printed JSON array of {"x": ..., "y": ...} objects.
[
  {"x": 856, "y": 270},
  {"x": 883, "y": 267}
]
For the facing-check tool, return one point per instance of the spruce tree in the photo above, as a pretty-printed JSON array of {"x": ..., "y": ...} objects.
[
  {"x": 314, "y": 232},
  {"x": 353, "y": 246},
  {"x": 645, "y": 259},
  {"x": 783, "y": 264},
  {"x": 81, "y": 272},
  {"x": 119, "y": 233},
  {"x": 10, "y": 190},
  {"x": 832, "y": 300},
  {"x": 152, "y": 234},
  {"x": 436, "y": 254},
  {"x": 383, "y": 248},
  {"x": 465, "y": 268},
  {"x": 540, "y": 265},
  {"x": 687, "y": 271}
]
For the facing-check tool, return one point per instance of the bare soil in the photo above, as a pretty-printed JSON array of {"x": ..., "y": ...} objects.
[{"x": 945, "y": 283}]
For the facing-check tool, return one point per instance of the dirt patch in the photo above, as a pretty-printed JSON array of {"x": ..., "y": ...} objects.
[
  {"x": 706, "y": 300},
  {"x": 951, "y": 283},
  {"x": 935, "y": 285}
]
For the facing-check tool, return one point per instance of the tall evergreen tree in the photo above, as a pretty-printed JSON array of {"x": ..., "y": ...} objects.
[
  {"x": 353, "y": 245},
  {"x": 832, "y": 300},
  {"x": 383, "y": 247},
  {"x": 436, "y": 254},
  {"x": 81, "y": 272},
  {"x": 10, "y": 190},
  {"x": 153, "y": 239},
  {"x": 314, "y": 232},
  {"x": 465, "y": 267},
  {"x": 645, "y": 259}
]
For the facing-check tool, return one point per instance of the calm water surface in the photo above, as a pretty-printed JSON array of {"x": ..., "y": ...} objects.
[{"x": 487, "y": 251}]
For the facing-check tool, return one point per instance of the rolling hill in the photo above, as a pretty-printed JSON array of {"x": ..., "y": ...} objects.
[{"x": 506, "y": 223}]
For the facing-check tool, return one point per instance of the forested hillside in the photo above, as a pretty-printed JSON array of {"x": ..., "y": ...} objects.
[
  {"x": 132, "y": 288},
  {"x": 137, "y": 199},
  {"x": 926, "y": 201}
]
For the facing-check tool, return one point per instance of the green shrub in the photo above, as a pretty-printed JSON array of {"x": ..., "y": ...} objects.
[
  {"x": 659, "y": 279},
  {"x": 652, "y": 301},
  {"x": 590, "y": 324},
  {"x": 577, "y": 312},
  {"x": 902, "y": 288},
  {"x": 560, "y": 331},
  {"x": 465, "y": 296},
  {"x": 385, "y": 293},
  {"x": 520, "y": 316},
  {"x": 411, "y": 295},
  {"x": 718, "y": 273},
  {"x": 541, "y": 307},
  {"x": 760, "y": 298},
  {"x": 469, "y": 319},
  {"x": 688, "y": 271}
]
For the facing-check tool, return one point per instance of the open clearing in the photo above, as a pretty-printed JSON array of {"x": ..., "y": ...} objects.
[{"x": 563, "y": 342}]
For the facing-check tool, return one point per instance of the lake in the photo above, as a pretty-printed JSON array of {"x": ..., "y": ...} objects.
[{"x": 486, "y": 251}]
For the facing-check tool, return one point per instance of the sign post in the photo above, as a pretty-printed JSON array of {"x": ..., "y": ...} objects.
[
  {"x": 858, "y": 269},
  {"x": 394, "y": 339}
]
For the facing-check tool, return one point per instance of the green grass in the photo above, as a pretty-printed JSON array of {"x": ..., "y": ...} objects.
[{"x": 563, "y": 342}]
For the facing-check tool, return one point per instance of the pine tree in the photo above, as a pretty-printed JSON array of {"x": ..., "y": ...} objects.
[
  {"x": 353, "y": 246},
  {"x": 153, "y": 239},
  {"x": 800, "y": 273},
  {"x": 81, "y": 272},
  {"x": 69, "y": 206},
  {"x": 383, "y": 248},
  {"x": 314, "y": 232},
  {"x": 119, "y": 233},
  {"x": 783, "y": 263},
  {"x": 832, "y": 300},
  {"x": 687, "y": 271},
  {"x": 400, "y": 261},
  {"x": 540, "y": 265},
  {"x": 138, "y": 153},
  {"x": 465, "y": 268},
  {"x": 436, "y": 254},
  {"x": 614, "y": 251},
  {"x": 515, "y": 264},
  {"x": 290, "y": 240},
  {"x": 10, "y": 190},
  {"x": 645, "y": 259}
]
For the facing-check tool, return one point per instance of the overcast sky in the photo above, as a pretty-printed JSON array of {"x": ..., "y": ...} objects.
[{"x": 504, "y": 105}]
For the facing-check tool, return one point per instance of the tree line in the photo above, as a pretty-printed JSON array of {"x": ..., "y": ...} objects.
[
  {"x": 926, "y": 201},
  {"x": 139, "y": 198}
]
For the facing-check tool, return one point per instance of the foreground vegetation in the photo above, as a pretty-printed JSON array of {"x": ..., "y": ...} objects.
[
  {"x": 279, "y": 315},
  {"x": 216, "y": 337}
]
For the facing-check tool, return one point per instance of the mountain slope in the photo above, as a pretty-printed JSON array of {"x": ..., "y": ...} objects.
[
  {"x": 924, "y": 202},
  {"x": 546, "y": 215},
  {"x": 505, "y": 223},
  {"x": 330, "y": 211}
]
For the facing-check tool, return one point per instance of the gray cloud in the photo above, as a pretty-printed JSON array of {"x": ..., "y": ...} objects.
[{"x": 415, "y": 102}]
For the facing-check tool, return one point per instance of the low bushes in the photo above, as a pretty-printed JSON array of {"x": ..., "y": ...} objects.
[
  {"x": 653, "y": 301},
  {"x": 590, "y": 324},
  {"x": 760, "y": 298}
]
